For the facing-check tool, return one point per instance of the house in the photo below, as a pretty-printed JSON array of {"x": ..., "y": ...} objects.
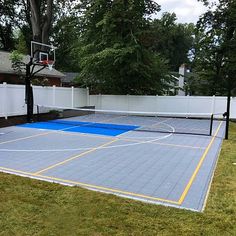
[
  {"x": 180, "y": 82},
  {"x": 11, "y": 76},
  {"x": 69, "y": 79}
]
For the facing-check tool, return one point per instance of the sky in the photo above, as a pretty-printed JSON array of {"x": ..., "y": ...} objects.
[{"x": 187, "y": 11}]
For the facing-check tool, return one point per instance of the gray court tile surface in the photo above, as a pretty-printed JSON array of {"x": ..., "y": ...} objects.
[{"x": 170, "y": 169}]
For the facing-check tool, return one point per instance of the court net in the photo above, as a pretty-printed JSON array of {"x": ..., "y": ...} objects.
[{"x": 179, "y": 123}]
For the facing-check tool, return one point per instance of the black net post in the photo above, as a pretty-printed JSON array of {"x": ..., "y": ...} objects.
[
  {"x": 228, "y": 115},
  {"x": 211, "y": 124}
]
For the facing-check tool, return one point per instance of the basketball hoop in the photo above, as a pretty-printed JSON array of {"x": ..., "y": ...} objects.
[{"x": 48, "y": 63}]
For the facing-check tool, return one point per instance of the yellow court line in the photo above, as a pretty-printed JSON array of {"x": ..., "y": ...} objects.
[
  {"x": 28, "y": 137},
  {"x": 17, "y": 171},
  {"x": 74, "y": 157},
  {"x": 43, "y": 177},
  {"x": 110, "y": 189},
  {"x": 185, "y": 192}
]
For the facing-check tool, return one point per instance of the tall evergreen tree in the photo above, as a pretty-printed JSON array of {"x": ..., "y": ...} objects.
[{"x": 113, "y": 57}]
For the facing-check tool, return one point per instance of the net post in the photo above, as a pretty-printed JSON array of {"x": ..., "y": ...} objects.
[
  {"x": 211, "y": 125},
  {"x": 227, "y": 116}
]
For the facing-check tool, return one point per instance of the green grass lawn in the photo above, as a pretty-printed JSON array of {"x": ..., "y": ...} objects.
[{"x": 31, "y": 207}]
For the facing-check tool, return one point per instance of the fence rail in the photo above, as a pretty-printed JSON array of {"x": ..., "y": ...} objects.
[{"x": 12, "y": 101}]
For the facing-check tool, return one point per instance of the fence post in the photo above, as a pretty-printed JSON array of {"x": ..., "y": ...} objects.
[
  {"x": 213, "y": 104},
  {"x": 53, "y": 95},
  {"x": 127, "y": 97},
  {"x": 88, "y": 96},
  {"x": 100, "y": 101},
  {"x": 72, "y": 96},
  {"x": 157, "y": 101},
  {"x": 188, "y": 103},
  {"x": 5, "y": 100}
]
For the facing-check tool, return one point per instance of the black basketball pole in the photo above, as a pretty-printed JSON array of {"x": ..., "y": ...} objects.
[{"x": 29, "y": 92}]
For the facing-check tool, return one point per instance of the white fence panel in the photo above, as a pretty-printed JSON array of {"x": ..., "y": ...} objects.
[
  {"x": 169, "y": 104},
  {"x": 81, "y": 97},
  {"x": 233, "y": 108},
  {"x": 43, "y": 95},
  {"x": 15, "y": 101},
  {"x": 200, "y": 104},
  {"x": 2, "y": 100},
  {"x": 172, "y": 104},
  {"x": 114, "y": 102},
  {"x": 63, "y": 97},
  {"x": 109, "y": 102},
  {"x": 12, "y": 98},
  {"x": 142, "y": 103},
  {"x": 220, "y": 105},
  {"x": 94, "y": 100}
]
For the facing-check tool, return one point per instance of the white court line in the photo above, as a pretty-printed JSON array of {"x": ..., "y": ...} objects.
[
  {"x": 140, "y": 137},
  {"x": 80, "y": 149},
  {"x": 83, "y": 149},
  {"x": 48, "y": 131}
]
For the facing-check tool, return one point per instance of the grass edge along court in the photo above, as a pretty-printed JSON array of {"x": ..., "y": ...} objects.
[{"x": 32, "y": 207}]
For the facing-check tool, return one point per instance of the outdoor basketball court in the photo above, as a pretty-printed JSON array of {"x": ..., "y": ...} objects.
[{"x": 163, "y": 168}]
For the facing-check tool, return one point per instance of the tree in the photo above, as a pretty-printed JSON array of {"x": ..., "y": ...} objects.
[
  {"x": 21, "y": 44},
  {"x": 66, "y": 33},
  {"x": 172, "y": 40},
  {"x": 34, "y": 18},
  {"x": 41, "y": 19},
  {"x": 7, "y": 13},
  {"x": 216, "y": 48},
  {"x": 112, "y": 54}
]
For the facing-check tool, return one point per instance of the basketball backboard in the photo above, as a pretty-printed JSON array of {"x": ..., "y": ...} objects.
[{"x": 43, "y": 54}]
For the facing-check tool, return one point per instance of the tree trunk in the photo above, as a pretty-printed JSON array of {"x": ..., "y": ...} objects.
[
  {"x": 41, "y": 22},
  {"x": 47, "y": 22}
]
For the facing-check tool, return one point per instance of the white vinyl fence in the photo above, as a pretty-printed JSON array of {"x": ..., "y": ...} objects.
[
  {"x": 12, "y": 101},
  {"x": 168, "y": 104},
  {"x": 12, "y": 98}
]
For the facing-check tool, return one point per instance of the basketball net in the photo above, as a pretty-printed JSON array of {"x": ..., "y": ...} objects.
[{"x": 48, "y": 63}]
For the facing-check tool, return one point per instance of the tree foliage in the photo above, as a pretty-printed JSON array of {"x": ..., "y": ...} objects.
[
  {"x": 7, "y": 14},
  {"x": 115, "y": 44},
  {"x": 173, "y": 40},
  {"x": 113, "y": 57},
  {"x": 216, "y": 48},
  {"x": 66, "y": 34}
]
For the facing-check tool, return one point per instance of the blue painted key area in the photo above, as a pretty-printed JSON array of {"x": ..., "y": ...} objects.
[{"x": 82, "y": 127}]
